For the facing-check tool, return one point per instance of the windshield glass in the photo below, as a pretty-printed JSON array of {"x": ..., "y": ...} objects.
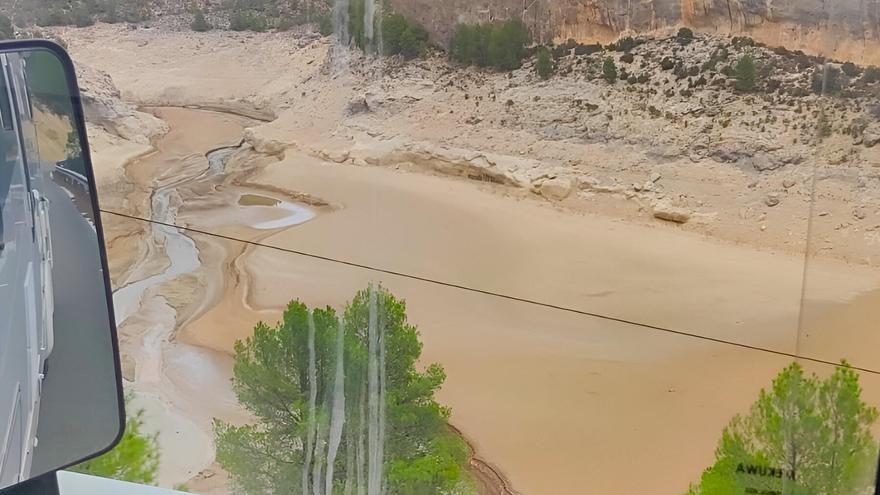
[{"x": 501, "y": 247}]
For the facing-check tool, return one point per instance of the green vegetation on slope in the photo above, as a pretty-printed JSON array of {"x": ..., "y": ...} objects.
[
  {"x": 544, "y": 64},
  {"x": 401, "y": 37},
  {"x": 609, "y": 70},
  {"x": 199, "y": 23},
  {"x": 6, "y": 30},
  {"x": 803, "y": 436},
  {"x": 498, "y": 45},
  {"x": 744, "y": 72},
  {"x": 80, "y": 13},
  {"x": 313, "y": 375},
  {"x": 134, "y": 459}
]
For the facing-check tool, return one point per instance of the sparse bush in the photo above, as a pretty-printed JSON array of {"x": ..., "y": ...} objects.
[
  {"x": 667, "y": 63},
  {"x": 199, "y": 23},
  {"x": 627, "y": 58},
  {"x": 609, "y": 70},
  {"x": 400, "y": 37},
  {"x": 745, "y": 73},
  {"x": 544, "y": 65}
]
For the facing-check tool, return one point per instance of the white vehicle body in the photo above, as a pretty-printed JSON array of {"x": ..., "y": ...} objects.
[{"x": 26, "y": 297}]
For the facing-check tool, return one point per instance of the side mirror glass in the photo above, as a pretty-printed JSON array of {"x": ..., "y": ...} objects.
[{"x": 60, "y": 387}]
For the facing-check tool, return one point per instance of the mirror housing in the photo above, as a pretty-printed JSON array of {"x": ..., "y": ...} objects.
[{"x": 61, "y": 399}]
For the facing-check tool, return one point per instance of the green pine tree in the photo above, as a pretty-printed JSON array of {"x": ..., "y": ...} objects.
[
  {"x": 544, "y": 64},
  {"x": 815, "y": 433},
  {"x": 744, "y": 72},
  {"x": 272, "y": 370},
  {"x": 609, "y": 70}
]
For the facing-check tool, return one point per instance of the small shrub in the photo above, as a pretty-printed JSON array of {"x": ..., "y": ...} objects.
[
  {"x": 742, "y": 41},
  {"x": 199, "y": 23},
  {"x": 82, "y": 18},
  {"x": 667, "y": 63},
  {"x": 111, "y": 15},
  {"x": 823, "y": 125},
  {"x": 285, "y": 23},
  {"x": 560, "y": 51},
  {"x": 6, "y": 30},
  {"x": 544, "y": 65},
  {"x": 850, "y": 69},
  {"x": 609, "y": 70},
  {"x": 53, "y": 17},
  {"x": 684, "y": 36},
  {"x": 626, "y": 44},
  {"x": 745, "y": 73},
  {"x": 871, "y": 75},
  {"x": 582, "y": 50},
  {"x": 627, "y": 58},
  {"x": 826, "y": 80},
  {"x": 323, "y": 22},
  {"x": 247, "y": 21}
]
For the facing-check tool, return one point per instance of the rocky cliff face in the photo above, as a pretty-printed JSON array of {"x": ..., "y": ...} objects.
[{"x": 843, "y": 29}]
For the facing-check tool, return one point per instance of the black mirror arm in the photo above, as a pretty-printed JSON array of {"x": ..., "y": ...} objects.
[{"x": 46, "y": 484}]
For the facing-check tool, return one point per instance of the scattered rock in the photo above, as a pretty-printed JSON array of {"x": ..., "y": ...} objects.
[
  {"x": 788, "y": 183},
  {"x": 655, "y": 177},
  {"x": 358, "y": 105},
  {"x": 764, "y": 163},
  {"x": 335, "y": 155},
  {"x": 870, "y": 139},
  {"x": 666, "y": 211},
  {"x": 860, "y": 213},
  {"x": 557, "y": 188},
  {"x": 772, "y": 199}
]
